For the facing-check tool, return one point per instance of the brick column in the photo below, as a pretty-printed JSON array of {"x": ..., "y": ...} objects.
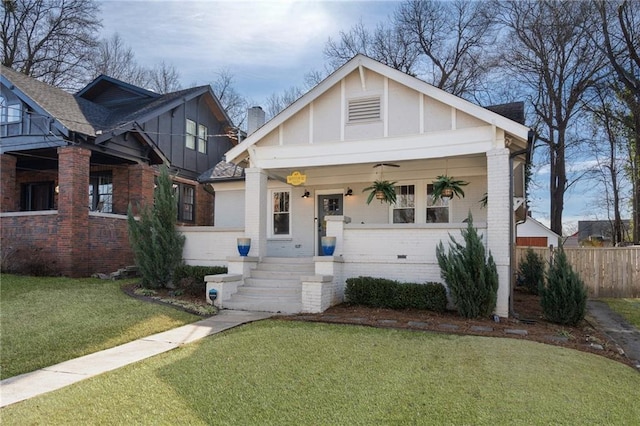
[
  {"x": 255, "y": 220},
  {"x": 499, "y": 222},
  {"x": 73, "y": 211},
  {"x": 141, "y": 184},
  {"x": 9, "y": 201},
  {"x": 204, "y": 207}
]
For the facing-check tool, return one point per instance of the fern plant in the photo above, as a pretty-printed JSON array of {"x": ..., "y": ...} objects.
[{"x": 383, "y": 190}]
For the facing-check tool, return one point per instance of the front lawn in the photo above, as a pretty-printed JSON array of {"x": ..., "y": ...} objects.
[
  {"x": 44, "y": 321},
  {"x": 628, "y": 308},
  {"x": 277, "y": 372}
]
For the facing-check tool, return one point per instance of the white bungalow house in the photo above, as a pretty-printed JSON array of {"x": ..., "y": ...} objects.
[{"x": 302, "y": 177}]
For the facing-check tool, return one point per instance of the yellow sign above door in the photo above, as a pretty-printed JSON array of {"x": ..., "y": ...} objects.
[{"x": 296, "y": 178}]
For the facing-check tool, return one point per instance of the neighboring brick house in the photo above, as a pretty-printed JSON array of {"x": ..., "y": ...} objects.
[
  {"x": 304, "y": 176},
  {"x": 72, "y": 164}
]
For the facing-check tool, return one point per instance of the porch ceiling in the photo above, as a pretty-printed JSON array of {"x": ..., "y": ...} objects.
[{"x": 470, "y": 165}]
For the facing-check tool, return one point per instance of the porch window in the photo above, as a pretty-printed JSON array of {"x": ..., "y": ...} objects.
[
  {"x": 186, "y": 195},
  {"x": 35, "y": 196},
  {"x": 437, "y": 211},
  {"x": 404, "y": 210},
  {"x": 281, "y": 213},
  {"x": 190, "y": 138},
  {"x": 101, "y": 192},
  {"x": 202, "y": 138}
]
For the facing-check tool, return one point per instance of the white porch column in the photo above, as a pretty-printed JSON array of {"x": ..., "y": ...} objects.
[
  {"x": 255, "y": 216},
  {"x": 498, "y": 222}
]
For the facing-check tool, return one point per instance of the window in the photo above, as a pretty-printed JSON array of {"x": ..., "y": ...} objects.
[
  {"x": 186, "y": 198},
  {"x": 36, "y": 196},
  {"x": 281, "y": 213},
  {"x": 9, "y": 113},
  {"x": 188, "y": 202},
  {"x": 190, "y": 140},
  {"x": 404, "y": 210},
  {"x": 365, "y": 109},
  {"x": 101, "y": 192},
  {"x": 202, "y": 138},
  {"x": 437, "y": 211}
]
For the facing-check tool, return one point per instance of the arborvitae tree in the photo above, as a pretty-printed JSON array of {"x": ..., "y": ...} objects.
[
  {"x": 470, "y": 275},
  {"x": 155, "y": 242},
  {"x": 564, "y": 299},
  {"x": 531, "y": 270}
]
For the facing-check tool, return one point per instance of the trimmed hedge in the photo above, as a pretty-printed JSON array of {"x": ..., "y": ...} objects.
[
  {"x": 384, "y": 293},
  {"x": 190, "y": 279}
]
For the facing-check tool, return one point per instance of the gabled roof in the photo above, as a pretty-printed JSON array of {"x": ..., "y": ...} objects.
[
  {"x": 80, "y": 114},
  {"x": 70, "y": 113},
  {"x": 355, "y": 63}
]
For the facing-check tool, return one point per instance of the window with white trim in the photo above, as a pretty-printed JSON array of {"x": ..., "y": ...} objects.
[
  {"x": 404, "y": 210},
  {"x": 438, "y": 210},
  {"x": 10, "y": 113},
  {"x": 281, "y": 213},
  {"x": 190, "y": 138},
  {"x": 202, "y": 138},
  {"x": 364, "y": 109}
]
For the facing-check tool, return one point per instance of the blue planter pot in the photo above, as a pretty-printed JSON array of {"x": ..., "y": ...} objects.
[
  {"x": 244, "y": 245},
  {"x": 328, "y": 245}
]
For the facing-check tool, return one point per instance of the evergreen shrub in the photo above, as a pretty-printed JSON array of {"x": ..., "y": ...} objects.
[
  {"x": 531, "y": 271},
  {"x": 470, "y": 275},
  {"x": 564, "y": 298},
  {"x": 390, "y": 294},
  {"x": 156, "y": 243},
  {"x": 190, "y": 279}
]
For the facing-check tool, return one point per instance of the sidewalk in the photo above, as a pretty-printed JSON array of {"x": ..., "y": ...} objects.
[
  {"x": 620, "y": 331},
  {"x": 28, "y": 385}
]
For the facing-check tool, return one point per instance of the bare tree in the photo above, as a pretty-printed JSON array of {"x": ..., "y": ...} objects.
[
  {"x": 276, "y": 102},
  {"x": 115, "y": 59},
  {"x": 550, "y": 51},
  {"x": 162, "y": 78},
  {"x": 610, "y": 147},
  {"x": 454, "y": 39},
  {"x": 233, "y": 103},
  {"x": 621, "y": 41},
  {"x": 51, "y": 40},
  {"x": 387, "y": 44}
]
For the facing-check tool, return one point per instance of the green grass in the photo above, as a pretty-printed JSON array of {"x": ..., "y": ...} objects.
[
  {"x": 276, "y": 372},
  {"x": 628, "y": 308},
  {"x": 44, "y": 321}
]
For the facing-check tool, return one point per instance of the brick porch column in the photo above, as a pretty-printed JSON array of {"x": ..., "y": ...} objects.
[
  {"x": 73, "y": 211},
  {"x": 10, "y": 198},
  {"x": 255, "y": 220},
  {"x": 141, "y": 185},
  {"x": 499, "y": 222}
]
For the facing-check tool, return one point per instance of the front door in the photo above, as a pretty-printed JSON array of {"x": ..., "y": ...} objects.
[{"x": 328, "y": 205}]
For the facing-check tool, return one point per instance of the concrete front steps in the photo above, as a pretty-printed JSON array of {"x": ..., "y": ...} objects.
[{"x": 273, "y": 286}]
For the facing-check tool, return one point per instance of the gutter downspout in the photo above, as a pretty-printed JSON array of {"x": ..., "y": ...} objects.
[{"x": 512, "y": 224}]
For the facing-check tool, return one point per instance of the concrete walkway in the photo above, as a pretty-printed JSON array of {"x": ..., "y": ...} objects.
[
  {"x": 28, "y": 385},
  {"x": 626, "y": 336}
]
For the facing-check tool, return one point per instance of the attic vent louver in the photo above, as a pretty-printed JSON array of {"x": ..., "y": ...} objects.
[{"x": 364, "y": 109}]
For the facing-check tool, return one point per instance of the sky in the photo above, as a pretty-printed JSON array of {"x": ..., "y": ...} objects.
[{"x": 268, "y": 47}]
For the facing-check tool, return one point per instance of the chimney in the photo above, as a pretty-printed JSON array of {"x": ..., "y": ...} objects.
[{"x": 255, "y": 119}]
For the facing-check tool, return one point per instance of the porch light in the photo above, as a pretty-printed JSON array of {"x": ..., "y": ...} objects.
[
  {"x": 349, "y": 192},
  {"x": 306, "y": 194}
]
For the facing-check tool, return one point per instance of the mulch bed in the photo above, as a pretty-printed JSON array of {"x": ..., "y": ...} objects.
[{"x": 527, "y": 324}]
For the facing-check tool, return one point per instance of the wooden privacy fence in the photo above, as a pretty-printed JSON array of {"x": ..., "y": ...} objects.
[{"x": 606, "y": 272}]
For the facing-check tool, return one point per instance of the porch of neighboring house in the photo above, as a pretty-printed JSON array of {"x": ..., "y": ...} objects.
[{"x": 64, "y": 211}]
